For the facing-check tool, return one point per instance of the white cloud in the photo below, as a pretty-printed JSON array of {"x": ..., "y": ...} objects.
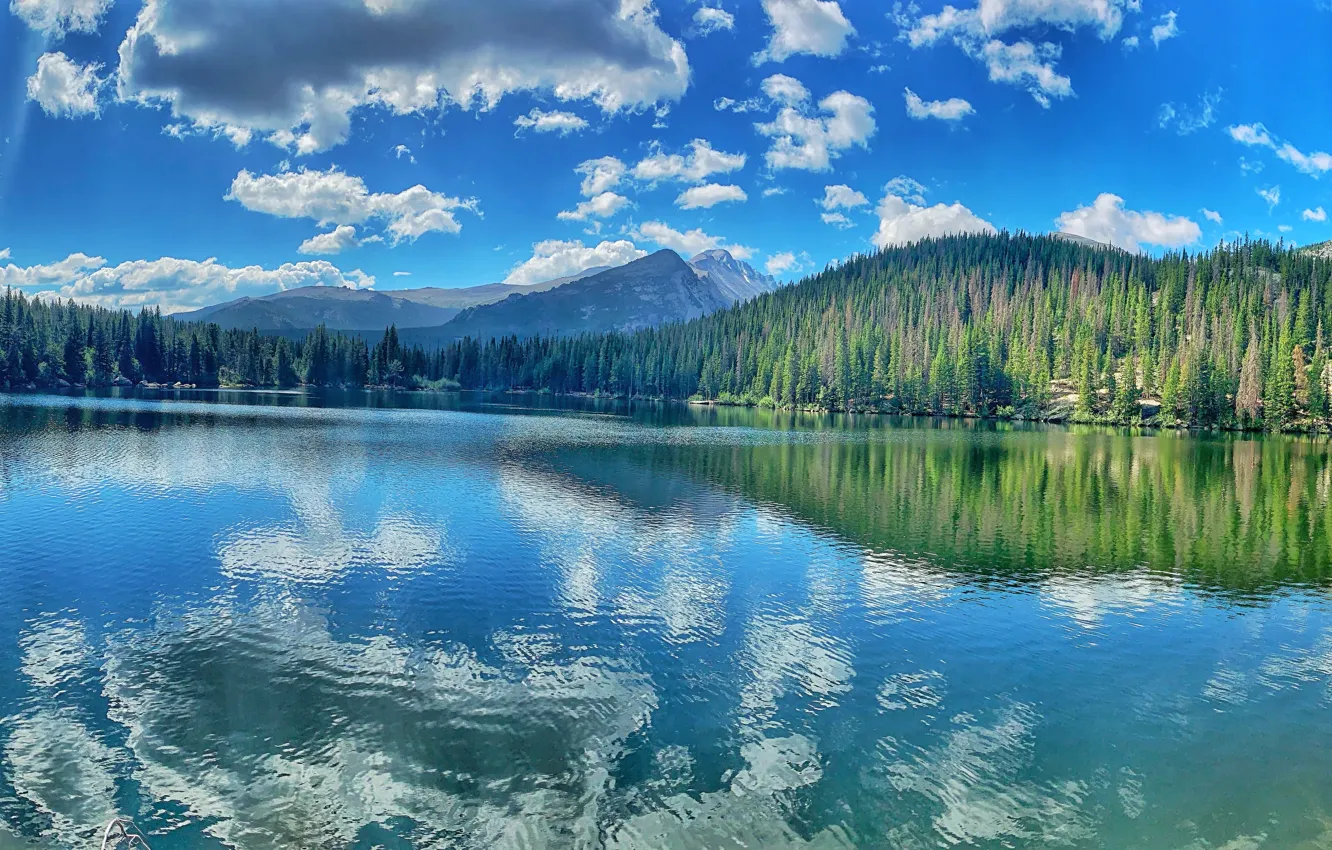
[
  {"x": 541, "y": 121},
  {"x": 953, "y": 109},
  {"x": 974, "y": 31},
  {"x": 1131, "y": 43},
  {"x": 837, "y": 220},
  {"x": 4, "y": 254},
  {"x": 1272, "y": 195},
  {"x": 992, "y": 17},
  {"x": 1025, "y": 64},
  {"x": 701, "y": 163},
  {"x": 815, "y": 27},
  {"x": 1256, "y": 135},
  {"x": 785, "y": 90},
  {"x": 1106, "y": 220},
  {"x": 1185, "y": 120},
  {"x": 335, "y": 197},
  {"x": 554, "y": 259},
  {"x": 402, "y": 274},
  {"x": 1318, "y": 214},
  {"x": 1315, "y": 163},
  {"x": 1251, "y": 134},
  {"x": 810, "y": 142},
  {"x": 690, "y": 242},
  {"x": 334, "y": 242},
  {"x": 603, "y": 205},
  {"x": 786, "y": 261},
  {"x": 1212, "y": 216},
  {"x": 64, "y": 88},
  {"x": 902, "y": 221},
  {"x": 773, "y": 191},
  {"x": 600, "y": 175},
  {"x": 1285, "y": 228},
  {"x": 1166, "y": 29},
  {"x": 173, "y": 284},
  {"x": 54, "y": 18},
  {"x": 842, "y": 197},
  {"x": 710, "y": 19},
  {"x": 402, "y": 150},
  {"x": 730, "y": 104},
  {"x": 298, "y": 70},
  {"x": 709, "y": 195},
  {"x": 906, "y": 188}
]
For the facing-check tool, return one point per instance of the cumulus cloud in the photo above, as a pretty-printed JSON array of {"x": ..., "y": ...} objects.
[
  {"x": 554, "y": 259},
  {"x": 600, "y": 175},
  {"x": 170, "y": 283},
  {"x": 904, "y": 218},
  {"x": 603, "y": 205},
  {"x": 1167, "y": 28},
  {"x": 701, "y": 163},
  {"x": 54, "y": 18},
  {"x": 709, "y": 195},
  {"x": 842, "y": 197},
  {"x": 336, "y": 197},
  {"x": 785, "y": 262},
  {"x": 1027, "y": 65},
  {"x": 786, "y": 90},
  {"x": 811, "y": 141},
  {"x": 1212, "y": 216},
  {"x": 298, "y": 70},
  {"x": 1317, "y": 214},
  {"x": 334, "y": 242},
  {"x": 1107, "y": 221},
  {"x": 730, "y": 104},
  {"x": 815, "y": 27},
  {"x": 993, "y": 17},
  {"x": 541, "y": 121},
  {"x": 1131, "y": 43},
  {"x": 953, "y": 109},
  {"x": 710, "y": 19},
  {"x": 64, "y": 88},
  {"x": 837, "y": 219},
  {"x": 688, "y": 243},
  {"x": 400, "y": 151},
  {"x": 975, "y": 31},
  {"x": 1272, "y": 194}
]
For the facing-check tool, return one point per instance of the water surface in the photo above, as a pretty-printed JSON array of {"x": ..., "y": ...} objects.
[{"x": 274, "y": 621}]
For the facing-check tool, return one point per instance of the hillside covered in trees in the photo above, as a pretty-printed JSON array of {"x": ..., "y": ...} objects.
[{"x": 1036, "y": 327}]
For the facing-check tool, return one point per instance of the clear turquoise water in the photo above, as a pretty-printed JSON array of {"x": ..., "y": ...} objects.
[{"x": 290, "y": 625}]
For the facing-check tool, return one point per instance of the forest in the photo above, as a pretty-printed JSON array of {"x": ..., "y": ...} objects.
[{"x": 1003, "y": 325}]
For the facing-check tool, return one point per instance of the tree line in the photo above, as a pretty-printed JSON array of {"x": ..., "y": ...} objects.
[{"x": 980, "y": 325}]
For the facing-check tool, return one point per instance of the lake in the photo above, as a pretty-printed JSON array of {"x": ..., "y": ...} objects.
[{"x": 277, "y": 621}]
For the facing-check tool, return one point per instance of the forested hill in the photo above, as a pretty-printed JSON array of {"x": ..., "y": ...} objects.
[{"x": 984, "y": 325}]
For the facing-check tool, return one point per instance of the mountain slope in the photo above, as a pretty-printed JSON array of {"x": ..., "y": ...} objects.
[
  {"x": 648, "y": 292},
  {"x": 735, "y": 280},
  {"x": 340, "y": 308}
]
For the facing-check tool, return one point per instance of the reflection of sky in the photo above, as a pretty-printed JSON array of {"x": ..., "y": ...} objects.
[{"x": 576, "y": 655}]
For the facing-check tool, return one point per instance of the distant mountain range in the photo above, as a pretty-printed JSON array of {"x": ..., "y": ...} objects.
[
  {"x": 340, "y": 308},
  {"x": 651, "y": 291}
]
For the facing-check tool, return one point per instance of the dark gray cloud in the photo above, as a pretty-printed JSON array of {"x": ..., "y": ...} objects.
[{"x": 300, "y": 67}]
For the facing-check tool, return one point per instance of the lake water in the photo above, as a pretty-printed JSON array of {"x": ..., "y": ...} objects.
[{"x": 274, "y": 622}]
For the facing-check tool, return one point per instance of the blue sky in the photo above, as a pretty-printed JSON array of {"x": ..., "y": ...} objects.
[{"x": 182, "y": 152}]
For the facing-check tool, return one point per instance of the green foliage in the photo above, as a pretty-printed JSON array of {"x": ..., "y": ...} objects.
[
  {"x": 959, "y": 326},
  {"x": 968, "y": 325}
]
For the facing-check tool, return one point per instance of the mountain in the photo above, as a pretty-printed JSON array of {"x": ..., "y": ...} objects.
[
  {"x": 648, "y": 292},
  {"x": 1320, "y": 250},
  {"x": 1080, "y": 240},
  {"x": 735, "y": 280},
  {"x": 346, "y": 309}
]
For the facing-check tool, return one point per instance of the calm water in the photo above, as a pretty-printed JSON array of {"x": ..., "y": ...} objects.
[{"x": 293, "y": 624}]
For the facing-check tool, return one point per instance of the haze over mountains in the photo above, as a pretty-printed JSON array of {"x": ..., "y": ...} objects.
[{"x": 651, "y": 291}]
